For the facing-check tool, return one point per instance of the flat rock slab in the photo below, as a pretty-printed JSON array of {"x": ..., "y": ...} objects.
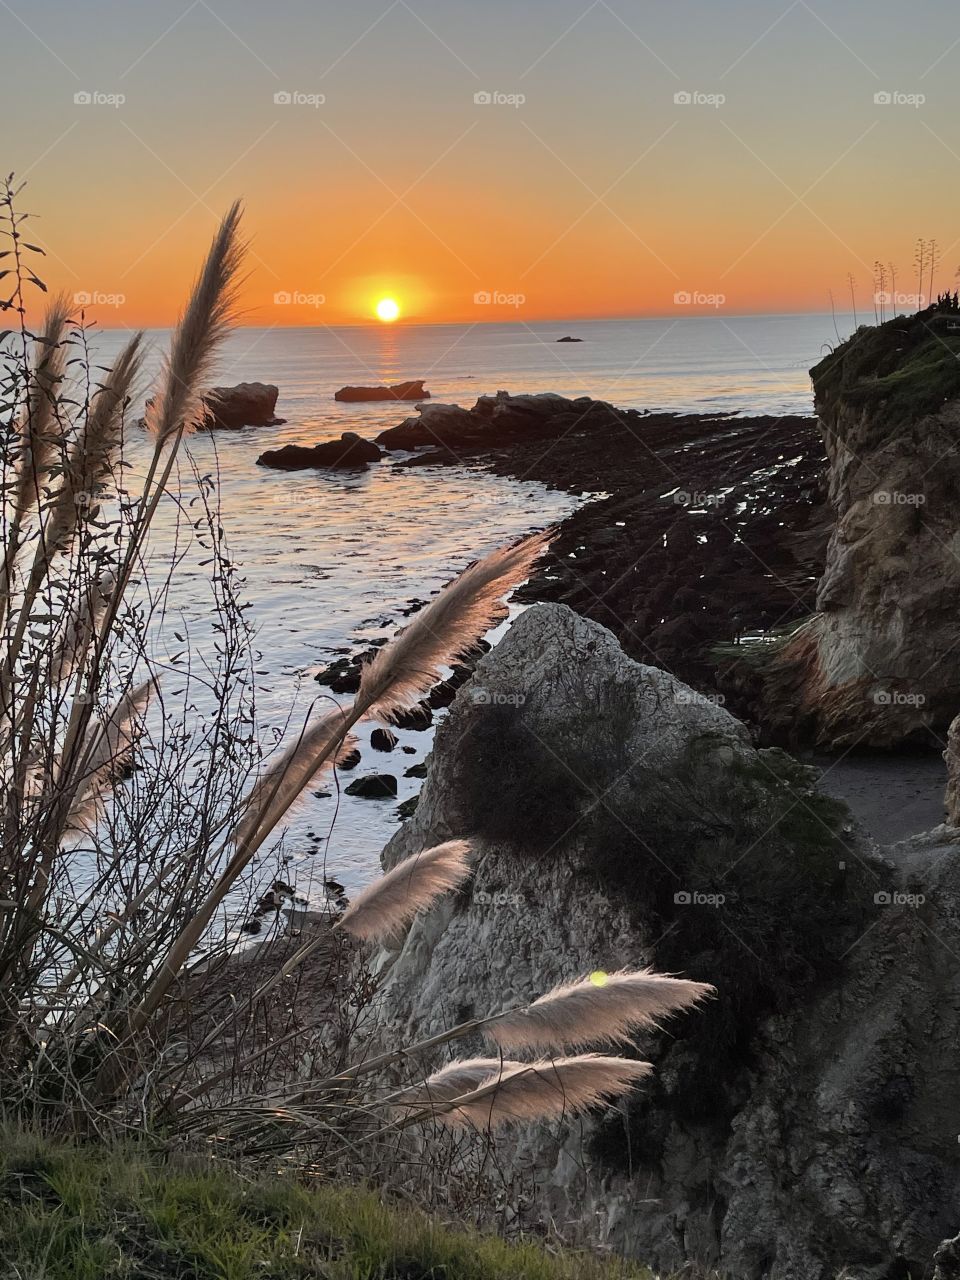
[{"x": 413, "y": 390}]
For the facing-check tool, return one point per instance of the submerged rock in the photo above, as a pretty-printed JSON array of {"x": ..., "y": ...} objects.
[
  {"x": 876, "y": 665},
  {"x": 569, "y": 339},
  {"x": 400, "y": 391},
  {"x": 350, "y": 452},
  {"x": 803, "y": 1122}
]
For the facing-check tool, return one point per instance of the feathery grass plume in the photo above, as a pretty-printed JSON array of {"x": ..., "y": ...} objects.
[
  {"x": 38, "y": 428},
  {"x": 111, "y": 745},
  {"x": 534, "y": 1091},
  {"x": 452, "y": 623},
  {"x": 391, "y": 902},
  {"x": 454, "y": 1080},
  {"x": 315, "y": 750},
  {"x": 603, "y": 1008},
  {"x": 91, "y": 456},
  {"x": 178, "y": 405}
]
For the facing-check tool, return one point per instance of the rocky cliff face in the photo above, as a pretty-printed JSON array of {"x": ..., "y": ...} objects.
[
  {"x": 878, "y": 663},
  {"x": 807, "y": 1120}
]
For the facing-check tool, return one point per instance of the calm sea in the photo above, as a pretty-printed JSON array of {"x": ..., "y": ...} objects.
[{"x": 330, "y": 561}]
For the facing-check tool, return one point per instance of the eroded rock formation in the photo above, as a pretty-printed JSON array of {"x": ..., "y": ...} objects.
[
  {"x": 804, "y": 1122},
  {"x": 248, "y": 404},
  {"x": 878, "y": 665}
]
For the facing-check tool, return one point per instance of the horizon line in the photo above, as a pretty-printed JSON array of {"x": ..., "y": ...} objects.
[{"x": 413, "y": 323}]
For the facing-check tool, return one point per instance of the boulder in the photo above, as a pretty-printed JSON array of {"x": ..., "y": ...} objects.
[
  {"x": 400, "y": 391},
  {"x": 350, "y": 452},
  {"x": 383, "y": 739},
  {"x": 804, "y": 1123},
  {"x": 248, "y": 404},
  {"x": 417, "y": 717},
  {"x": 569, "y": 339},
  {"x": 373, "y": 786},
  {"x": 503, "y": 419},
  {"x": 876, "y": 664}
]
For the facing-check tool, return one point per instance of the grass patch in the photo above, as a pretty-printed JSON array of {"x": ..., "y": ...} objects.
[
  {"x": 902, "y": 370},
  {"x": 93, "y": 1212}
]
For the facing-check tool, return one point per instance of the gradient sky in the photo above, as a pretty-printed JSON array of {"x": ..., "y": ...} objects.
[{"x": 598, "y": 196}]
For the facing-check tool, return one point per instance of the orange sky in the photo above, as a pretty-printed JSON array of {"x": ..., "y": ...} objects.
[{"x": 599, "y": 194}]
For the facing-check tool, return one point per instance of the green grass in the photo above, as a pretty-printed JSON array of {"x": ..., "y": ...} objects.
[
  {"x": 901, "y": 370},
  {"x": 93, "y": 1212}
]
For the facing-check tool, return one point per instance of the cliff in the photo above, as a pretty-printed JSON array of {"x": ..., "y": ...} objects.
[{"x": 877, "y": 664}]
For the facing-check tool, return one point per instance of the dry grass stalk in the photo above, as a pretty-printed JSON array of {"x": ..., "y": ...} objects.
[{"x": 178, "y": 406}]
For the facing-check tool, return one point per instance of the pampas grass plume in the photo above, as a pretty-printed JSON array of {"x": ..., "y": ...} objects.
[
  {"x": 451, "y": 624},
  {"x": 385, "y": 907},
  {"x": 603, "y": 1008},
  {"x": 534, "y": 1091}
]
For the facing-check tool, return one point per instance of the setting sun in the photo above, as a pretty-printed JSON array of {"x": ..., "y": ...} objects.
[{"x": 388, "y": 309}]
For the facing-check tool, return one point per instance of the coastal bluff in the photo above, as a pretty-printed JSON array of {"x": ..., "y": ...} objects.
[
  {"x": 804, "y": 1123},
  {"x": 876, "y": 665}
]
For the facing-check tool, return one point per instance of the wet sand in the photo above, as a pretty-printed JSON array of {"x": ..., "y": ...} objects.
[{"x": 891, "y": 796}]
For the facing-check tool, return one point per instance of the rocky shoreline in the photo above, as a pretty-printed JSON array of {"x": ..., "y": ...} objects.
[{"x": 707, "y": 528}]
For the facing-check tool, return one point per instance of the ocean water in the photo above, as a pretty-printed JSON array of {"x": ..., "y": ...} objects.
[{"x": 330, "y": 560}]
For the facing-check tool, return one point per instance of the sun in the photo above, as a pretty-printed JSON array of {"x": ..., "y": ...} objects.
[{"x": 388, "y": 309}]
